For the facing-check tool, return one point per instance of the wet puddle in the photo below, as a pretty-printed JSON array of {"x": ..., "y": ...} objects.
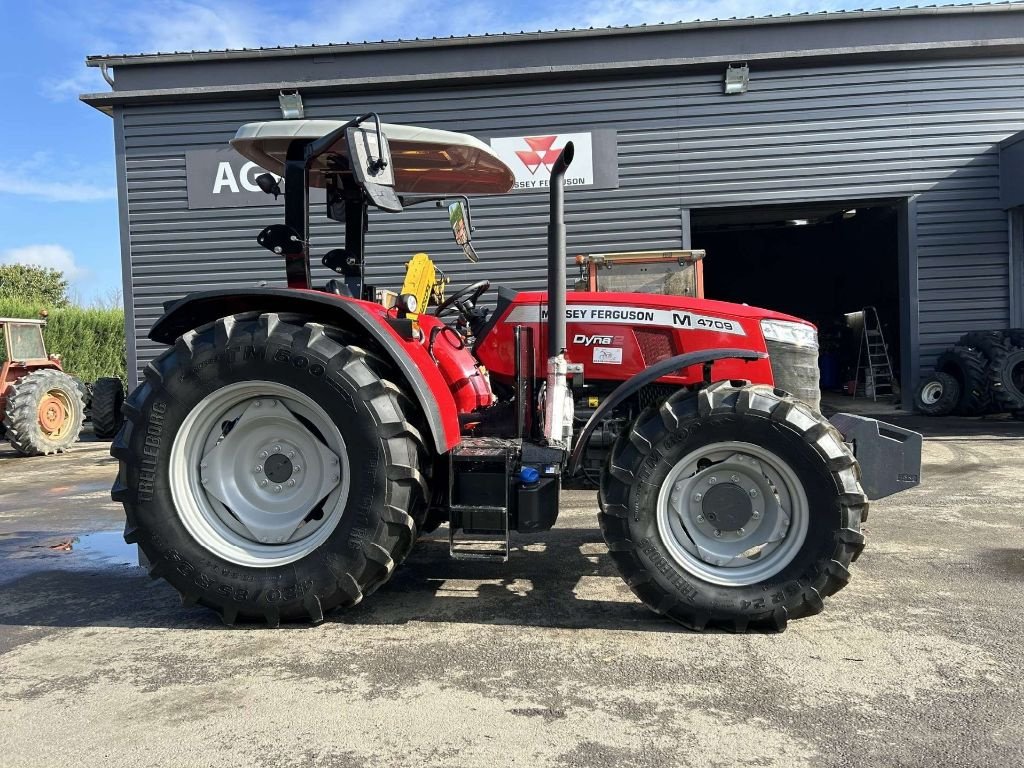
[{"x": 107, "y": 546}]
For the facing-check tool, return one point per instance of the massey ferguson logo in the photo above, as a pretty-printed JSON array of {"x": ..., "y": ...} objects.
[
  {"x": 597, "y": 341},
  {"x": 531, "y": 158},
  {"x": 540, "y": 153}
]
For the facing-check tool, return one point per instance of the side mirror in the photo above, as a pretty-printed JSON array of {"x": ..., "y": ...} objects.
[{"x": 458, "y": 218}]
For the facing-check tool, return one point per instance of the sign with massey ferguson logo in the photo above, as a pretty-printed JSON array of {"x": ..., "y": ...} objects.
[
  {"x": 531, "y": 158},
  {"x": 615, "y": 315}
]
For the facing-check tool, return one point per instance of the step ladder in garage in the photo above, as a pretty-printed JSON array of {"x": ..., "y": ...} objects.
[{"x": 873, "y": 352}]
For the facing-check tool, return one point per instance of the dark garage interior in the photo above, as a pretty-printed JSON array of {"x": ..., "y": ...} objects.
[{"x": 814, "y": 261}]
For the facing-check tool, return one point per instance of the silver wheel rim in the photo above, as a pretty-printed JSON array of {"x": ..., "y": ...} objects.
[
  {"x": 266, "y": 490},
  {"x": 726, "y": 549},
  {"x": 931, "y": 393}
]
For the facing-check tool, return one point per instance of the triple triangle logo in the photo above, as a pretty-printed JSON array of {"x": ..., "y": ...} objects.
[{"x": 541, "y": 152}]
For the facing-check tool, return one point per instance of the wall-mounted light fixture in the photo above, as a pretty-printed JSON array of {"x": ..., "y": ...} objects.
[
  {"x": 737, "y": 77},
  {"x": 291, "y": 105}
]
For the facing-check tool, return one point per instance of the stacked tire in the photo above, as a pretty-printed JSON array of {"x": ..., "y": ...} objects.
[{"x": 982, "y": 373}]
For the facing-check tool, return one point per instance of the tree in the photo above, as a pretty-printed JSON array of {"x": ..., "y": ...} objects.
[{"x": 34, "y": 284}]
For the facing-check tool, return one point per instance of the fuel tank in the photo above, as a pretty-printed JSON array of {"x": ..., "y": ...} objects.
[{"x": 616, "y": 335}]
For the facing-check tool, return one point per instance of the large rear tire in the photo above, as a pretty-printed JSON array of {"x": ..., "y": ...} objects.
[
  {"x": 268, "y": 470},
  {"x": 737, "y": 507},
  {"x": 44, "y": 413},
  {"x": 107, "y": 401},
  {"x": 1006, "y": 376}
]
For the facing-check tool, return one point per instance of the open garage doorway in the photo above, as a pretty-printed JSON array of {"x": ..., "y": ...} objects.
[{"x": 818, "y": 261}]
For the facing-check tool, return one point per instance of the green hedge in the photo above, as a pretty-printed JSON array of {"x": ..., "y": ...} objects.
[{"x": 90, "y": 341}]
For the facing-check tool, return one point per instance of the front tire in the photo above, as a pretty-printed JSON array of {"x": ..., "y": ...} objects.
[
  {"x": 268, "y": 470},
  {"x": 736, "y": 507}
]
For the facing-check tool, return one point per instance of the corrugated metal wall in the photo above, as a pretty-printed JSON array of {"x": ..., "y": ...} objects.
[{"x": 928, "y": 129}]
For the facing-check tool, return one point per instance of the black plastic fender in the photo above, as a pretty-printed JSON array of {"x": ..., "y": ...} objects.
[
  {"x": 632, "y": 385},
  {"x": 203, "y": 307}
]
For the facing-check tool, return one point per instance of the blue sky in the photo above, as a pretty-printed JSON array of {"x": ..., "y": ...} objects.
[{"x": 57, "y": 189}]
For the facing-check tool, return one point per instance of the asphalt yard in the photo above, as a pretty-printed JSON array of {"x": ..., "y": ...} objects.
[{"x": 547, "y": 660}]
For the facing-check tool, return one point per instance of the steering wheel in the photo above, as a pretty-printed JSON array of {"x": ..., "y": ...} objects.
[{"x": 464, "y": 299}]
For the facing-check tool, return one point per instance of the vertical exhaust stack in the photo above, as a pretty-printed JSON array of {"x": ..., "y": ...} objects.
[
  {"x": 556, "y": 254},
  {"x": 558, "y": 406}
]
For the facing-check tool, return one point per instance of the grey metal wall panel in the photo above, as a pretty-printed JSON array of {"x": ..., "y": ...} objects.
[{"x": 928, "y": 129}]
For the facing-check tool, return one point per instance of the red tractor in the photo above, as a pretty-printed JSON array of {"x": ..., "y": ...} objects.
[
  {"x": 41, "y": 407},
  {"x": 282, "y": 455}
]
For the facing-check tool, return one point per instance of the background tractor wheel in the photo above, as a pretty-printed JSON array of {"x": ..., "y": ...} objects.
[
  {"x": 44, "y": 413},
  {"x": 268, "y": 469},
  {"x": 737, "y": 507},
  {"x": 937, "y": 395},
  {"x": 988, "y": 342},
  {"x": 970, "y": 369},
  {"x": 107, "y": 399},
  {"x": 1006, "y": 377}
]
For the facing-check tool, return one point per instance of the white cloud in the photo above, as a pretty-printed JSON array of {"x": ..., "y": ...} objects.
[
  {"x": 45, "y": 177},
  {"x": 46, "y": 255}
]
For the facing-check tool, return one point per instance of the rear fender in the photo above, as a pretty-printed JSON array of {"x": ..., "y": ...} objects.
[{"x": 419, "y": 373}]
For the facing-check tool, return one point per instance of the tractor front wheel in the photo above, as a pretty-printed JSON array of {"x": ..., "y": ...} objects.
[
  {"x": 268, "y": 470},
  {"x": 736, "y": 507},
  {"x": 44, "y": 413}
]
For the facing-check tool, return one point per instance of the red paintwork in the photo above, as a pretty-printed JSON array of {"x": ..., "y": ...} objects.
[
  {"x": 665, "y": 332},
  {"x": 451, "y": 374}
]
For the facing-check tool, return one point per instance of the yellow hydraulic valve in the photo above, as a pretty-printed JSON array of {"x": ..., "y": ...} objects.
[{"x": 420, "y": 280}]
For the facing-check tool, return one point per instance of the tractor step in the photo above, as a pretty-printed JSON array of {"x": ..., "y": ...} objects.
[{"x": 479, "y": 489}]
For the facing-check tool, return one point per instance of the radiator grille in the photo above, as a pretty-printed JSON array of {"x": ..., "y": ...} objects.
[
  {"x": 655, "y": 346},
  {"x": 795, "y": 370}
]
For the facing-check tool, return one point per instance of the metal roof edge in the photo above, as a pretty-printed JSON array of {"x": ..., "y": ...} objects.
[
  {"x": 118, "y": 60},
  {"x": 105, "y": 100}
]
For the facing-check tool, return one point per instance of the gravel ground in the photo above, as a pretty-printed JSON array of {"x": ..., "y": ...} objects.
[{"x": 547, "y": 660}]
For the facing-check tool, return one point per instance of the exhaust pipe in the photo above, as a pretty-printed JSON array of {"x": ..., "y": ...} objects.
[
  {"x": 558, "y": 405},
  {"x": 556, "y": 254}
]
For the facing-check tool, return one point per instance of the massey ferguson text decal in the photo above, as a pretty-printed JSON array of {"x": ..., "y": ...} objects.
[
  {"x": 596, "y": 313},
  {"x": 531, "y": 158}
]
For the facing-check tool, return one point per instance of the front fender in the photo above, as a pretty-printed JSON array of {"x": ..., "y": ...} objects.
[
  {"x": 649, "y": 376},
  {"x": 418, "y": 371}
]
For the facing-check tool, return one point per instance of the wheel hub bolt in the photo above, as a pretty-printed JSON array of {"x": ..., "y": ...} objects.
[
  {"x": 263, "y": 454},
  {"x": 259, "y": 403},
  {"x": 259, "y": 468},
  {"x": 277, "y": 449},
  {"x": 277, "y": 489},
  {"x": 296, "y": 468},
  {"x": 742, "y": 530},
  {"x": 698, "y": 496},
  {"x": 291, "y": 483},
  {"x": 263, "y": 483},
  {"x": 700, "y": 518},
  {"x": 755, "y": 514},
  {"x": 735, "y": 478},
  {"x": 717, "y": 532},
  {"x": 291, "y": 454},
  {"x": 712, "y": 479},
  {"x": 753, "y": 493}
]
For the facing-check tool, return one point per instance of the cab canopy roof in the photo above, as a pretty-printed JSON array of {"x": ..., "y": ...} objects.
[{"x": 426, "y": 161}]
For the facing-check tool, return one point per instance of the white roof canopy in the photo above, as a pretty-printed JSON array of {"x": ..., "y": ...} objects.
[{"x": 426, "y": 161}]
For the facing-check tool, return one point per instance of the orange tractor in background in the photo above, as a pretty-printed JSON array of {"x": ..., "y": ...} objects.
[{"x": 42, "y": 408}]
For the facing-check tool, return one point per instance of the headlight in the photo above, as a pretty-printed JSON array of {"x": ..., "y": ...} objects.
[{"x": 786, "y": 332}]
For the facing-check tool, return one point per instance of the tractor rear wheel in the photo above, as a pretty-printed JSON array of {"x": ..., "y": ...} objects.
[
  {"x": 737, "y": 507},
  {"x": 268, "y": 470},
  {"x": 969, "y": 367},
  {"x": 107, "y": 400},
  {"x": 44, "y": 413}
]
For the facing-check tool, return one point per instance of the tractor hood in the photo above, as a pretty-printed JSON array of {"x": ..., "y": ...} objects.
[{"x": 426, "y": 161}]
